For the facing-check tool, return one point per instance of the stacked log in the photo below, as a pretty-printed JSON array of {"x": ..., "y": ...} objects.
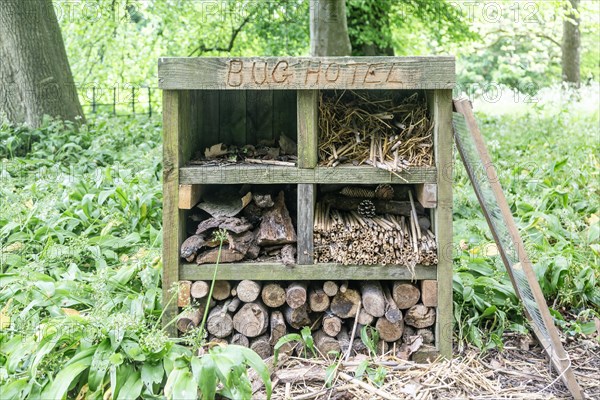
[
  {"x": 348, "y": 238},
  {"x": 257, "y": 314},
  {"x": 263, "y": 227}
]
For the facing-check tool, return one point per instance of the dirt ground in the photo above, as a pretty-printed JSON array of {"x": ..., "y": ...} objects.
[{"x": 520, "y": 371}]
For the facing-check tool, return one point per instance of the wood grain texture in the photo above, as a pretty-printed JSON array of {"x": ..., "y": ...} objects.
[
  {"x": 427, "y": 194},
  {"x": 308, "y": 128},
  {"x": 259, "y": 116},
  {"x": 280, "y": 272},
  {"x": 208, "y": 119},
  {"x": 275, "y": 174},
  {"x": 280, "y": 73},
  {"x": 284, "y": 114},
  {"x": 306, "y": 217},
  {"x": 443, "y": 142},
  {"x": 232, "y": 117},
  {"x": 176, "y": 152},
  {"x": 189, "y": 196}
]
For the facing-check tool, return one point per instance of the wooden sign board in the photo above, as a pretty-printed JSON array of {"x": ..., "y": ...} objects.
[{"x": 293, "y": 73}]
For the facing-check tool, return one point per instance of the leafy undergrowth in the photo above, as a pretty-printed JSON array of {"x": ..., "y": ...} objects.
[
  {"x": 80, "y": 238},
  {"x": 547, "y": 161}
]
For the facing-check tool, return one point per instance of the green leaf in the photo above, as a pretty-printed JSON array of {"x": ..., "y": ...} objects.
[
  {"x": 185, "y": 387},
  {"x": 360, "y": 370},
  {"x": 133, "y": 350},
  {"x": 292, "y": 337},
  {"x": 204, "y": 371},
  {"x": 99, "y": 365},
  {"x": 57, "y": 389},
  {"x": 152, "y": 373},
  {"x": 257, "y": 364},
  {"x": 14, "y": 389},
  {"x": 132, "y": 388}
]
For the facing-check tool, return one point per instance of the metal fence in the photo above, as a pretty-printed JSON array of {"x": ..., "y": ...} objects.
[{"x": 121, "y": 101}]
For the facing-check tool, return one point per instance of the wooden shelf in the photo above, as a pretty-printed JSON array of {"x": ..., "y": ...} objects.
[
  {"x": 280, "y": 272},
  {"x": 273, "y": 174}
]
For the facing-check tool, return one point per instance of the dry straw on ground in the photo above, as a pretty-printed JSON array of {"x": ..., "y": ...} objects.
[{"x": 513, "y": 373}]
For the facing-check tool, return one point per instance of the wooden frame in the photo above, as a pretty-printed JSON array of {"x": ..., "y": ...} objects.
[{"x": 205, "y": 78}]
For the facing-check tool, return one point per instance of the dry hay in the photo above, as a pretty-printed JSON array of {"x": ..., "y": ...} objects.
[
  {"x": 513, "y": 373},
  {"x": 361, "y": 129}
]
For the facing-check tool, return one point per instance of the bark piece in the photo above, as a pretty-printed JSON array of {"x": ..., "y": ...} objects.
[
  {"x": 251, "y": 320},
  {"x": 420, "y": 316},
  {"x": 345, "y": 305},
  {"x": 183, "y": 294},
  {"x": 288, "y": 254},
  {"x": 332, "y": 325},
  {"x": 314, "y": 373},
  {"x": 224, "y": 203},
  {"x": 295, "y": 294},
  {"x": 405, "y": 295},
  {"x": 427, "y": 335},
  {"x": 278, "y": 327},
  {"x": 318, "y": 300},
  {"x": 273, "y": 295},
  {"x": 392, "y": 312},
  {"x": 241, "y": 242},
  {"x": 234, "y": 304},
  {"x": 327, "y": 345},
  {"x": 297, "y": 318},
  {"x": 263, "y": 200},
  {"x": 219, "y": 322},
  {"x": 199, "y": 289},
  {"x": 429, "y": 293},
  {"x": 232, "y": 224},
  {"x": 221, "y": 290},
  {"x": 191, "y": 246},
  {"x": 372, "y": 298},
  {"x": 331, "y": 288},
  {"x": 248, "y": 291},
  {"x": 227, "y": 256},
  {"x": 381, "y": 206},
  {"x": 261, "y": 346},
  {"x": 276, "y": 226},
  {"x": 189, "y": 319},
  {"x": 240, "y": 340},
  {"x": 389, "y": 331},
  {"x": 364, "y": 318}
]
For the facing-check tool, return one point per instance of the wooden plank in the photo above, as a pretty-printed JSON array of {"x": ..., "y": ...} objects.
[
  {"x": 176, "y": 152},
  {"x": 267, "y": 73},
  {"x": 427, "y": 194},
  {"x": 284, "y": 114},
  {"x": 232, "y": 117},
  {"x": 209, "y": 122},
  {"x": 189, "y": 196},
  {"x": 259, "y": 116},
  {"x": 441, "y": 103},
  {"x": 308, "y": 128},
  {"x": 275, "y": 174},
  {"x": 512, "y": 249},
  {"x": 280, "y": 272},
  {"x": 306, "y": 217}
]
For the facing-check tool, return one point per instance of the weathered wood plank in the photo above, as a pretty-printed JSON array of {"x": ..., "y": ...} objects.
[
  {"x": 306, "y": 73},
  {"x": 208, "y": 106},
  {"x": 280, "y": 272},
  {"x": 259, "y": 116},
  {"x": 427, "y": 194},
  {"x": 306, "y": 217},
  {"x": 189, "y": 196},
  {"x": 284, "y": 114},
  {"x": 176, "y": 152},
  {"x": 308, "y": 116},
  {"x": 232, "y": 117},
  {"x": 443, "y": 141},
  {"x": 272, "y": 174}
]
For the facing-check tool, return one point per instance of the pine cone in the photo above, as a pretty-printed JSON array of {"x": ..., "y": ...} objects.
[
  {"x": 353, "y": 191},
  {"x": 384, "y": 192},
  {"x": 366, "y": 208}
]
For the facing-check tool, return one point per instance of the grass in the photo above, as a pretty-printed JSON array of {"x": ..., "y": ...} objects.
[{"x": 80, "y": 239}]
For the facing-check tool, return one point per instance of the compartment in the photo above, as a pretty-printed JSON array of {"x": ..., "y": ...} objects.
[
  {"x": 372, "y": 225},
  {"x": 258, "y": 223},
  {"x": 391, "y": 130},
  {"x": 257, "y": 314},
  {"x": 256, "y": 126}
]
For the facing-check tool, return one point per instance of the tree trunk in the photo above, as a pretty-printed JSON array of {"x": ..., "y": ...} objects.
[
  {"x": 34, "y": 69},
  {"x": 328, "y": 28},
  {"x": 571, "y": 42}
]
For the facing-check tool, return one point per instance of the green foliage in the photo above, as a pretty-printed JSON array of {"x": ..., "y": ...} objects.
[
  {"x": 370, "y": 337},
  {"x": 304, "y": 337},
  {"x": 80, "y": 238},
  {"x": 553, "y": 190}
]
